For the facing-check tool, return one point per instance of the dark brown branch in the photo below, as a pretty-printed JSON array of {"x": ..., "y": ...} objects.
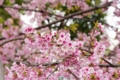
[
  {"x": 43, "y": 64},
  {"x": 52, "y": 64},
  {"x": 76, "y": 77},
  {"x": 53, "y": 71},
  {"x": 105, "y": 65},
  {"x": 107, "y": 62},
  {"x": 86, "y": 50},
  {"x": 35, "y": 65},
  {"x": 66, "y": 17},
  {"x": 58, "y": 62},
  {"x": 2, "y": 38},
  {"x": 74, "y": 14},
  {"x": 7, "y": 41}
]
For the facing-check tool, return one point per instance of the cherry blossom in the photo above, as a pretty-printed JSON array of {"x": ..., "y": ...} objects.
[{"x": 49, "y": 53}]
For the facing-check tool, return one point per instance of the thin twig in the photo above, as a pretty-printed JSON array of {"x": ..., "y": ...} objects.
[
  {"x": 107, "y": 62},
  {"x": 76, "y": 77},
  {"x": 52, "y": 72},
  {"x": 105, "y": 65},
  {"x": 2, "y": 38},
  {"x": 86, "y": 50},
  {"x": 7, "y": 41},
  {"x": 35, "y": 65}
]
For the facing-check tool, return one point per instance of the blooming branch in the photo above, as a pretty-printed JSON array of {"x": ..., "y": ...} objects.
[
  {"x": 7, "y": 41},
  {"x": 66, "y": 17},
  {"x": 76, "y": 77}
]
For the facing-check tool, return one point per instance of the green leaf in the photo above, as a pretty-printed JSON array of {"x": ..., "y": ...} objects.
[
  {"x": 19, "y": 2},
  {"x": 73, "y": 27},
  {"x": 97, "y": 2},
  {"x": 1, "y": 20},
  {"x": 7, "y": 2}
]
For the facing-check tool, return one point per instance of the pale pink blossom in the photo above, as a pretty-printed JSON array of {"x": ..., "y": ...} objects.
[
  {"x": 117, "y": 12},
  {"x": 1, "y": 2},
  {"x": 28, "y": 30}
]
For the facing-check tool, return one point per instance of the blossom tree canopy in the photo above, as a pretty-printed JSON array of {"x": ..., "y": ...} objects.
[{"x": 70, "y": 42}]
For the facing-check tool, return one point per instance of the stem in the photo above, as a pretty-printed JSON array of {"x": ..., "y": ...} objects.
[
  {"x": 86, "y": 50},
  {"x": 76, "y": 77},
  {"x": 107, "y": 62},
  {"x": 53, "y": 71},
  {"x": 7, "y": 41},
  {"x": 113, "y": 65}
]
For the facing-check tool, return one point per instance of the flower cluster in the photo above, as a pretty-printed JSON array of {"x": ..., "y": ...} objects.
[{"x": 50, "y": 53}]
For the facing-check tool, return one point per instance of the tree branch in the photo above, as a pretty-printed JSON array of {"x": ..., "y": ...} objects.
[
  {"x": 76, "y": 77},
  {"x": 58, "y": 62},
  {"x": 76, "y": 13},
  {"x": 105, "y": 65},
  {"x": 11, "y": 40},
  {"x": 52, "y": 72},
  {"x": 107, "y": 62},
  {"x": 69, "y": 16},
  {"x": 2, "y": 38},
  {"x": 35, "y": 65},
  {"x": 86, "y": 50}
]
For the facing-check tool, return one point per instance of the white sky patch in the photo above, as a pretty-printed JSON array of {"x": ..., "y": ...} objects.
[
  {"x": 110, "y": 32},
  {"x": 112, "y": 36},
  {"x": 27, "y": 21},
  {"x": 112, "y": 20}
]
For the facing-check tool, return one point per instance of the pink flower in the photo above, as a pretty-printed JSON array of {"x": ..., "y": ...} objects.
[
  {"x": 13, "y": 12},
  {"x": 63, "y": 1},
  {"x": 80, "y": 43},
  {"x": 28, "y": 30},
  {"x": 62, "y": 35},
  {"x": 5, "y": 34},
  {"x": 59, "y": 41},
  {"x": 65, "y": 48},
  {"x": 100, "y": 26},
  {"x": 83, "y": 5},
  {"x": 117, "y": 12},
  {"x": 1, "y": 2},
  {"x": 12, "y": 1}
]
